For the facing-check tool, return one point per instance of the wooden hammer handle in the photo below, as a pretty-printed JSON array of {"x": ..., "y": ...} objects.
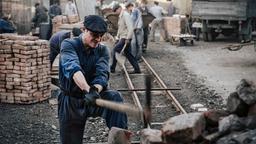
[{"x": 120, "y": 107}]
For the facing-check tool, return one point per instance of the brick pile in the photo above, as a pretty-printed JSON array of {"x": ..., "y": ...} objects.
[
  {"x": 58, "y": 21},
  {"x": 174, "y": 25},
  {"x": 73, "y": 19},
  {"x": 61, "y": 20},
  {"x": 24, "y": 69}
]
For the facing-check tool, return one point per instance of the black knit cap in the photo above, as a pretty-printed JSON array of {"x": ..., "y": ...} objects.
[{"x": 95, "y": 24}]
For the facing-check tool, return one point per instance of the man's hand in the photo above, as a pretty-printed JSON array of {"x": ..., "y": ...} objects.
[
  {"x": 90, "y": 98},
  {"x": 127, "y": 41},
  {"x": 136, "y": 30}
]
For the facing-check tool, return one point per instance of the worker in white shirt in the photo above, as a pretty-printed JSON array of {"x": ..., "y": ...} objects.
[
  {"x": 158, "y": 12},
  {"x": 70, "y": 8}
]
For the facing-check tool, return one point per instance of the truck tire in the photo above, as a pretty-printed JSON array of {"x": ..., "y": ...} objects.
[
  {"x": 214, "y": 35},
  {"x": 210, "y": 36},
  {"x": 205, "y": 36},
  {"x": 246, "y": 34},
  {"x": 227, "y": 32}
]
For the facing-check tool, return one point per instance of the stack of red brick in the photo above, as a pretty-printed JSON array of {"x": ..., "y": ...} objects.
[
  {"x": 60, "y": 20},
  {"x": 174, "y": 25},
  {"x": 24, "y": 69}
]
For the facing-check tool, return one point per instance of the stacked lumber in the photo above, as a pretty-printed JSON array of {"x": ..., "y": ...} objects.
[{"x": 24, "y": 69}]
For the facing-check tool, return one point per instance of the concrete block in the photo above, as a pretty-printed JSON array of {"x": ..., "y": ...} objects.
[
  {"x": 119, "y": 136},
  {"x": 184, "y": 128},
  {"x": 151, "y": 136}
]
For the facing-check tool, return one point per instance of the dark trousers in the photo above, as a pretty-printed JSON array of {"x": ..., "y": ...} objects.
[
  {"x": 118, "y": 48},
  {"x": 73, "y": 114},
  {"x": 54, "y": 51},
  {"x": 145, "y": 38}
]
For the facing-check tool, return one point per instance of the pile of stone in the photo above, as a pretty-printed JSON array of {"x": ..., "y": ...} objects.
[
  {"x": 24, "y": 69},
  {"x": 235, "y": 125}
]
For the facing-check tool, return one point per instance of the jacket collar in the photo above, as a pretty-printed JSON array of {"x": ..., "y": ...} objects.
[{"x": 86, "y": 49}]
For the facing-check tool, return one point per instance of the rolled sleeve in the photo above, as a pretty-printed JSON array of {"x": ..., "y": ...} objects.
[
  {"x": 129, "y": 24},
  {"x": 69, "y": 61},
  {"x": 102, "y": 69}
]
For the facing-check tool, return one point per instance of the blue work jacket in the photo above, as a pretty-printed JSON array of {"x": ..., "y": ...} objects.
[
  {"x": 92, "y": 62},
  {"x": 57, "y": 38}
]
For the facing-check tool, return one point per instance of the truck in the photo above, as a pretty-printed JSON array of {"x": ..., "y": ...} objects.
[{"x": 225, "y": 17}]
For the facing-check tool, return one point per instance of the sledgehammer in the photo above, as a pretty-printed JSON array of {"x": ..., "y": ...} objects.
[
  {"x": 129, "y": 109},
  {"x": 120, "y": 107}
]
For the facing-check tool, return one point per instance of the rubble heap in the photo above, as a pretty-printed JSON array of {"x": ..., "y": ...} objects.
[
  {"x": 236, "y": 124},
  {"x": 24, "y": 69}
]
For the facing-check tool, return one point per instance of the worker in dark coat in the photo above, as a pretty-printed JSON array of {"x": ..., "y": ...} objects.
[
  {"x": 6, "y": 26},
  {"x": 56, "y": 40},
  {"x": 84, "y": 75},
  {"x": 54, "y": 10},
  {"x": 40, "y": 15},
  {"x": 144, "y": 10}
]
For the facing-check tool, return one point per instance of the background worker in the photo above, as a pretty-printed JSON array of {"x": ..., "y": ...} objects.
[
  {"x": 40, "y": 15},
  {"x": 124, "y": 33},
  {"x": 6, "y": 25},
  {"x": 137, "y": 39},
  {"x": 54, "y": 10},
  {"x": 70, "y": 8},
  {"x": 170, "y": 9},
  {"x": 84, "y": 75},
  {"x": 158, "y": 12},
  {"x": 144, "y": 11},
  {"x": 56, "y": 40}
]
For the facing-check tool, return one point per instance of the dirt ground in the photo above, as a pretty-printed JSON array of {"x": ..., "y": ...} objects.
[
  {"x": 220, "y": 68},
  {"x": 205, "y": 72}
]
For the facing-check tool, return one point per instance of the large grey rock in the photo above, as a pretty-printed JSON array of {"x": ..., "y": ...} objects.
[
  {"x": 235, "y": 105},
  {"x": 230, "y": 123},
  {"x": 184, "y": 128},
  {"x": 119, "y": 136},
  {"x": 212, "y": 117},
  {"x": 151, "y": 136},
  {"x": 252, "y": 110},
  {"x": 250, "y": 122},
  {"x": 248, "y": 137},
  {"x": 247, "y": 92},
  {"x": 234, "y": 123}
]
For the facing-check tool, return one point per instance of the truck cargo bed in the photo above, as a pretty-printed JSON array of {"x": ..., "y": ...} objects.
[{"x": 216, "y": 10}]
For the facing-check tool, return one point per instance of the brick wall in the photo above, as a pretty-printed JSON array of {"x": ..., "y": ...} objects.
[{"x": 24, "y": 69}]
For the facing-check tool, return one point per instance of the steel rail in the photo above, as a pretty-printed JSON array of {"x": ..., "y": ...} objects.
[
  {"x": 153, "y": 89},
  {"x": 131, "y": 86},
  {"x": 170, "y": 95}
]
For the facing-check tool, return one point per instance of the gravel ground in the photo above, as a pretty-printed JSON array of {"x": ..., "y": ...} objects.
[{"x": 205, "y": 73}]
